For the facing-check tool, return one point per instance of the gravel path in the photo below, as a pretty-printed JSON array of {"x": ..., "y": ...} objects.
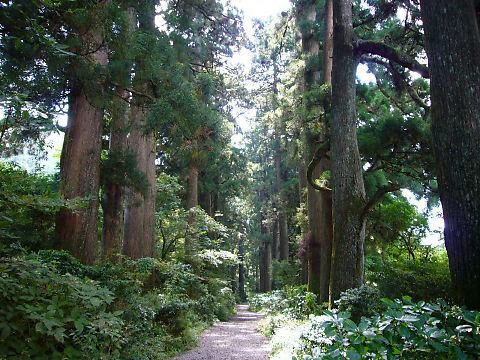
[{"x": 237, "y": 339}]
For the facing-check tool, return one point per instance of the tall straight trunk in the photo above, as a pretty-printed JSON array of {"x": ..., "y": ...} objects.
[
  {"x": 241, "y": 271},
  {"x": 275, "y": 239},
  {"x": 257, "y": 275},
  {"x": 349, "y": 197},
  {"x": 328, "y": 42},
  {"x": 262, "y": 268},
  {"x": 302, "y": 188},
  {"x": 114, "y": 197},
  {"x": 280, "y": 175},
  {"x": 192, "y": 203},
  {"x": 80, "y": 160},
  {"x": 267, "y": 263},
  {"x": 453, "y": 50},
  {"x": 311, "y": 78},
  {"x": 325, "y": 217},
  {"x": 319, "y": 204},
  {"x": 265, "y": 256},
  {"x": 140, "y": 210},
  {"x": 113, "y": 210}
]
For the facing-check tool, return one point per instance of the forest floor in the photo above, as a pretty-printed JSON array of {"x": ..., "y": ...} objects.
[{"x": 237, "y": 339}]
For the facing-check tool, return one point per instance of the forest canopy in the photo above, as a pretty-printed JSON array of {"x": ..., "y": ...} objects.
[{"x": 212, "y": 156}]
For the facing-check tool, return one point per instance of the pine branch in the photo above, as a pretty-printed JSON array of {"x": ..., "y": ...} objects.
[
  {"x": 375, "y": 199},
  {"x": 388, "y": 52}
]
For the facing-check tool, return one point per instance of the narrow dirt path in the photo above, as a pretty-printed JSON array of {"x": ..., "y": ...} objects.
[{"x": 237, "y": 339}]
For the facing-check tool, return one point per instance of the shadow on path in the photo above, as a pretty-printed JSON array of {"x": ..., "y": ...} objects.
[{"x": 233, "y": 340}]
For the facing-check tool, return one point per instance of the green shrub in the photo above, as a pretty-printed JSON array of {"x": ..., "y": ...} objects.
[
  {"x": 405, "y": 330},
  {"x": 45, "y": 314},
  {"x": 362, "y": 301},
  {"x": 285, "y": 273},
  {"x": 51, "y": 306},
  {"x": 28, "y": 206},
  {"x": 294, "y": 301},
  {"x": 420, "y": 279}
]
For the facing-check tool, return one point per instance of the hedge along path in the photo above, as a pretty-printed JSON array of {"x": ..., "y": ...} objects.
[{"x": 232, "y": 340}]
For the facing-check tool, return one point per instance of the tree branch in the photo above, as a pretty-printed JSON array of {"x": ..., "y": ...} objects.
[
  {"x": 319, "y": 154},
  {"x": 388, "y": 52},
  {"x": 381, "y": 192}
]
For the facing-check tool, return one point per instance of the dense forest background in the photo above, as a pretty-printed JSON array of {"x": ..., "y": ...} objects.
[{"x": 188, "y": 182}]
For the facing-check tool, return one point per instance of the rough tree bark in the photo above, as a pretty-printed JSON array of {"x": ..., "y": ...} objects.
[
  {"x": 326, "y": 219},
  {"x": 241, "y": 270},
  {"x": 280, "y": 175},
  {"x": 349, "y": 197},
  {"x": 453, "y": 50},
  {"x": 114, "y": 207},
  {"x": 275, "y": 239},
  {"x": 140, "y": 209},
  {"x": 318, "y": 202},
  {"x": 80, "y": 159},
  {"x": 113, "y": 210},
  {"x": 192, "y": 203},
  {"x": 265, "y": 259}
]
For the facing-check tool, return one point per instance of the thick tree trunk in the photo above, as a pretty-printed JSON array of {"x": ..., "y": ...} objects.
[
  {"x": 113, "y": 210},
  {"x": 80, "y": 178},
  {"x": 349, "y": 196},
  {"x": 140, "y": 210},
  {"x": 326, "y": 219},
  {"x": 280, "y": 176},
  {"x": 265, "y": 258},
  {"x": 453, "y": 49},
  {"x": 318, "y": 203},
  {"x": 241, "y": 271},
  {"x": 283, "y": 236},
  {"x": 192, "y": 203},
  {"x": 268, "y": 266},
  {"x": 275, "y": 240},
  {"x": 328, "y": 42},
  {"x": 114, "y": 196},
  {"x": 80, "y": 160},
  {"x": 302, "y": 189}
]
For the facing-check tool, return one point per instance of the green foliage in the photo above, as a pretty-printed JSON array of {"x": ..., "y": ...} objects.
[
  {"x": 396, "y": 224},
  {"x": 405, "y": 330},
  {"x": 51, "y": 306},
  {"x": 426, "y": 278},
  {"x": 294, "y": 302},
  {"x": 285, "y": 273},
  {"x": 362, "y": 301},
  {"x": 47, "y": 315},
  {"x": 28, "y": 204},
  {"x": 121, "y": 168}
]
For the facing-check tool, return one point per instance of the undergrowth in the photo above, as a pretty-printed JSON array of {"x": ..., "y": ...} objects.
[
  {"x": 364, "y": 326},
  {"x": 53, "y": 307}
]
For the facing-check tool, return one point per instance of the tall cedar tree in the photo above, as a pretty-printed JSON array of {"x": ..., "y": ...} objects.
[
  {"x": 453, "y": 49},
  {"x": 114, "y": 197},
  {"x": 319, "y": 201},
  {"x": 80, "y": 160},
  {"x": 349, "y": 198},
  {"x": 140, "y": 210}
]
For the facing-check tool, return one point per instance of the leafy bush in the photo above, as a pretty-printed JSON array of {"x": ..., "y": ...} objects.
[
  {"x": 285, "y": 273},
  {"x": 28, "y": 205},
  {"x": 51, "y": 306},
  {"x": 362, "y": 301},
  {"x": 45, "y": 314},
  {"x": 420, "y": 279},
  {"x": 294, "y": 301},
  {"x": 405, "y": 330}
]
